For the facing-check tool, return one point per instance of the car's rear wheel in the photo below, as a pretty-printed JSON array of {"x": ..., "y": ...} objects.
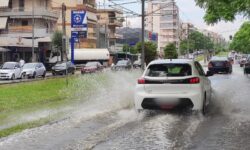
[
  {"x": 34, "y": 75},
  {"x": 44, "y": 74},
  {"x": 13, "y": 77},
  {"x": 204, "y": 107}
]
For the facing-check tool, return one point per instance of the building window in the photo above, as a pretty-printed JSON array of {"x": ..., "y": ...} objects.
[
  {"x": 25, "y": 23},
  {"x": 21, "y": 5},
  {"x": 166, "y": 25},
  {"x": 10, "y": 4},
  {"x": 167, "y": 18}
]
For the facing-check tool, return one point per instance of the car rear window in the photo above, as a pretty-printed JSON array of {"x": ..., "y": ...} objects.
[{"x": 169, "y": 70}]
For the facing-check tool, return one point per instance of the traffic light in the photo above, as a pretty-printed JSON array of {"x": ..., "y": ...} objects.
[{"x": 230, "y": 37}]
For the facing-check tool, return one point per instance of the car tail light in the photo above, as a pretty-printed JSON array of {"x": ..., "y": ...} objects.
[
  {"x": 210, "y": 65},
  {"x": 141, "y": 81},
  {"x": 194, "y": 80}
]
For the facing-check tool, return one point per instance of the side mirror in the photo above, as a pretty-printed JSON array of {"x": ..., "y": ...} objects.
[{"x": 209, "y": 74}]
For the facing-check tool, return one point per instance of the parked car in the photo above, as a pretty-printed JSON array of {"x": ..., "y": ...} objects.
[
  {"x": 33, "y": 70},
  {"x": 243, "y": 60},
  {"x": 92, "y": 67},
  {"x": 137, "y": 64},
  {"x": 63, "y": 68},
  {"x": 167, "y": 84},
  {"x": 247, "y": 66},
  {"x": 220, "y": 65},
  {"x": 122, "y": 65},
  {"x": 10, "y": 70}
]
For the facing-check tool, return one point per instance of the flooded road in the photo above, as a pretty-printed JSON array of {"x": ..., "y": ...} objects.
[{"x": 108, "y": 121}]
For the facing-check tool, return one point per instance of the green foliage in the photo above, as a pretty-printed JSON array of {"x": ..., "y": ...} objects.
[
  {"x": 57, "y": 39},
  {"x": 217, "y": 10},
  {"x": 170, "y": 51},
  {"x": 196, "y": 41},
  {"x": 241, "y": 40},
  {"x": 131, "y": 49},
  {"x": 150, "y": 51}
]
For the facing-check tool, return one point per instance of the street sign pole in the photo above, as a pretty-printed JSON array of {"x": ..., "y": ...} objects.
[
  {"x": 72, "y": 44},
  {"x": 78, "y": 29}
]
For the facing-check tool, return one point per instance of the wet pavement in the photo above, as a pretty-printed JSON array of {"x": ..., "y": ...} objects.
[{"x": 109, "y": 122}]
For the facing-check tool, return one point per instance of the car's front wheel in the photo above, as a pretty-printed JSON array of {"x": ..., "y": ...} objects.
[{"x": 204, "y": 107}]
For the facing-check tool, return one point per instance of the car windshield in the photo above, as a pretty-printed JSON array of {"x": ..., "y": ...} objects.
[
  {"x": 169, "y": 70},
  {"x": 219, "y": 59},
  {"x": 29, "y": 65},
  {"x": 8, "y": 66},
  {"x": 122, "y": 62},
  {"x": 91, "y": 64}
]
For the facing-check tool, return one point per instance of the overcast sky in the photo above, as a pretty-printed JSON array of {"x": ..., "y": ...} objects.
[{"x": 189, "y": 12}]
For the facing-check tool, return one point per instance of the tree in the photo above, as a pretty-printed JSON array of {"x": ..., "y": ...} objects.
[
  {"x": 170, "y": 51},
  {"x": 131, "y": 49},
  {"x": 217, "y": 10},
  {"x": 150, "y": 51},
  {"x": 57, "y": 42},
  {"x": 57, "y": 39},
  {"x": 241, "y": 40},
  {"x": 196, "y": 41}
]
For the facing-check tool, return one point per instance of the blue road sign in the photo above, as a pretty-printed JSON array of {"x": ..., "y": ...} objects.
[{"x": 78, "y": 20}]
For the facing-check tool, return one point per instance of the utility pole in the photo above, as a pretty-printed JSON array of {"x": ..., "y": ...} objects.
[
  {"x": 126, "y": 38},
  {"x": 63, "y": 50},
  {"x": 33, "y": 31},
  {"x": 142, "y": 35}
]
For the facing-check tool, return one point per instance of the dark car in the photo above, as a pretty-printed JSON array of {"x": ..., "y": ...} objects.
[
  {"x": 220, "y": 65},
  {"x": 92, "y": 67},
  {"x": 63, "y": 68},
  {"x": 122, "y": 65},
  {"x": 247, "y": 66},
  {"x": 243, "y": 60}
]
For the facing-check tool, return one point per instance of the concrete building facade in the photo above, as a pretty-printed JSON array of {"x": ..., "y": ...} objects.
[
  {"x": 163, "y": 18},
  {"x": 16, "y": 26},
  {"x": 108, "y": 22}
]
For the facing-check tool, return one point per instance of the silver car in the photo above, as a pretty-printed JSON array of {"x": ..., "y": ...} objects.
[
  {"x": 33, "y": 70},
  {"x": 10, "y": 70}
]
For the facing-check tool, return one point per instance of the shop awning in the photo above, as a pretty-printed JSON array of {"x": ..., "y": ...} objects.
[
  {"x": 4, "y": 3},
  {"x": 3, "y": 22}
]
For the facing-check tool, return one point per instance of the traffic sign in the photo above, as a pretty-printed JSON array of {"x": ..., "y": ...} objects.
[{"x": 78, "y": 20}]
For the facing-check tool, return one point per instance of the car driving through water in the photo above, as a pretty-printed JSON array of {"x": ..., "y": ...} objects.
[
  {"x": 220, "y": 65},
  {"x": 167, "y": 84}
]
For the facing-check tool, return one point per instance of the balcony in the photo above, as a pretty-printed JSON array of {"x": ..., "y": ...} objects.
[
  {"x": 114, "y": 22},
  {"x": 40, "y": 13},
  {"x": 25, "y": 31}
]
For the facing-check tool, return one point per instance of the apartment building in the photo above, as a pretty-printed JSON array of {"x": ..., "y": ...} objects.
[
  {"x": 215, "y": 37},
  {"x": 90, "y": 7},
  {"x": 163, "y": 18},
  {"x": 16, "y": 26},
  {"x": 108, "y": 21},
  {"x": 186, "y": 29}
]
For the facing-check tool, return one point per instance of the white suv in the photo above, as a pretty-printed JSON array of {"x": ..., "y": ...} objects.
[{"x": 167, "y": 84}]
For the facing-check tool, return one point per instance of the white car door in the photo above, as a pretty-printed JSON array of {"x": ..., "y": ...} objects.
[
  {"x": 17, "y": 71},
  {"x": 39, "y": 70},
  {"x": 206, "y": 82}
]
